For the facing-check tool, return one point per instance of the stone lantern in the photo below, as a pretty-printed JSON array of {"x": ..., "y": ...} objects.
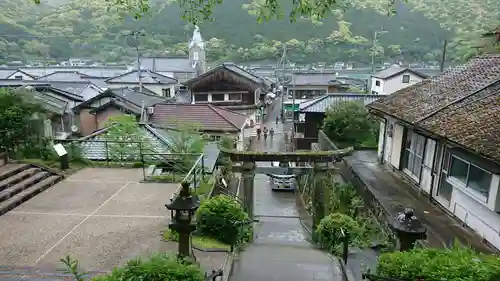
[
  {"x": 183, "y": 208},
  {"x": 408, "y": 229}
]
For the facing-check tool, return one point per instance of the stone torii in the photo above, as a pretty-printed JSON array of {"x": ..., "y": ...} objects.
[{"x": 248, "y": 170}]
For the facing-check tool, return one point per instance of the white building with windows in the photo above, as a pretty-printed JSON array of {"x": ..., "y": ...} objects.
[
  {"x": 393, "y": 79},
  {"x": 444, "y": 137}
]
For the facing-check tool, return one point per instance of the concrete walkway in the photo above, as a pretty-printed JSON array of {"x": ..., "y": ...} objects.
[{"x": 281, "y": 250}]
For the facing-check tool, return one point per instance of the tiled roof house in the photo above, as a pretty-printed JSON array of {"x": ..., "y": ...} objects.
[{"x": 443, "y": 134}]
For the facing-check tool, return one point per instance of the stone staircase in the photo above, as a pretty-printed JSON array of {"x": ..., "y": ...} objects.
[{"x": 20, "y": 182}]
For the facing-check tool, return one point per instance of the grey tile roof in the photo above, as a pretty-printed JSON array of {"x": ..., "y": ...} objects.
[
  {"x": 233, "y": 67},
  {"x": 394, "y": 70},
  {"x": 148, "y": 77},
  {"x": 91, "y": 72},
  {"x": 312, "y": 79},
  {"x": 137, "y": 98},
  {"x": 49, "y": 102},
  {"x": 321, "y": 104},
  {"x": 72, "y": 87},
  {"x": 62, "y": 76},
  {"x": 4, "y": 73},
  {"x": 460, "y": 105},
  {"x": 167, "y": 64}
]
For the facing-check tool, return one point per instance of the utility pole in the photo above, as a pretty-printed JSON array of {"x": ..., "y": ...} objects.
[
  {"x": 282, "y": 67},
  {"x": 136, "y": 35},
  {"x": 374, "y": 43},
  {"x": 443, "y": 56}
]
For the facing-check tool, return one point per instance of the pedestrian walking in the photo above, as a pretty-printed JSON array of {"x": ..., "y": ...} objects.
[
  {"x": 271, "y": 133},
  {"x": 265, "y": 133},
  {"x": 277, "y": 119}
]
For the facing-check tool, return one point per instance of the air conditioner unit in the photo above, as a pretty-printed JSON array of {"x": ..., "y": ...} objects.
[{"x": 151, "y": 110}]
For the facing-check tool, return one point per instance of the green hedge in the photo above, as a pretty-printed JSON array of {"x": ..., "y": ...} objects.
[
  {"x": 161, "y": 267},
  {"x": 429, "y": 264},
  {"x": 218, "y": 218}
]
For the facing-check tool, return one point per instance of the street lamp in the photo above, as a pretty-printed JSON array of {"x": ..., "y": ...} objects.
[{"x": 182, "y": 210}]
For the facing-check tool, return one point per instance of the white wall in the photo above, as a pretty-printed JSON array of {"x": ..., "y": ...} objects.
[
  {"x": 389, "y": 86},
  {"x": 226, "y": 98},
  {"x": 477, "y": 216}
]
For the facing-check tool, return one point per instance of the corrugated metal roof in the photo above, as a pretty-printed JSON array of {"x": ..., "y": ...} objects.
[
  {"x": 210, "y": 155},
  {"x": 321, "y": 104},
  {"x": 94, "y": 147}
]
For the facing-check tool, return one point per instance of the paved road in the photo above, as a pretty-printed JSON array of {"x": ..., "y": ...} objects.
[{"x": 281, "y": 251}]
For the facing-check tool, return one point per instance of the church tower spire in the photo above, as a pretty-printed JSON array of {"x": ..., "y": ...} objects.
[{"x": 197, "y": 52}]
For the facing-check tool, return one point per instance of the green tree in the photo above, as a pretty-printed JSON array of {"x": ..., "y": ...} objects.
[
  {"x": 125, "y": 140},
  {"x": 350, "y": 124},
  {"x": 19, "y": 119},
  {"x": 186, "y": 139}
]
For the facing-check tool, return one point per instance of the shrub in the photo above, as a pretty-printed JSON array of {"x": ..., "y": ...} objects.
[
  {"x": 161, "y": 267},
  {"x": 218, "y": 218},
  {"x": 455, "y": 264},
  {"x": 329, "y": 235}
]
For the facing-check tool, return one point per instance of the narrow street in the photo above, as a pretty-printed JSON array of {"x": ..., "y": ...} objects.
[{"x": 281, "y": 250}]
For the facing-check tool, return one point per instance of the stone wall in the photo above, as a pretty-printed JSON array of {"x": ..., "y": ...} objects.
[{"x": 349, "y": 175}]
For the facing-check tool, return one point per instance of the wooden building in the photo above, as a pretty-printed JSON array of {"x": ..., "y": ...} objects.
[{"x": 228, "y": 85}]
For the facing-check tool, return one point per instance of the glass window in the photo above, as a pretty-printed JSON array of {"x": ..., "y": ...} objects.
[
  {"x": 471, "y": 176},
  {"x": 459, "y": 169},
  {"x": 217, "y": 97},
  {"x": 406, "y": 78},
  {"x": 479, "y": 180},
  {"x": 413, "y": 154},
  {"x": 377, "y": 83},
  {"x": 200, "y": 97},
  {"x": 234, "y": 96}
]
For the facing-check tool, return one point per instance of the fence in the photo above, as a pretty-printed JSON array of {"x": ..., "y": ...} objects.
[{"x": 104, "y": 150}]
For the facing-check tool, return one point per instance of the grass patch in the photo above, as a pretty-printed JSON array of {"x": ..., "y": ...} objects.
[{"x": 198, "y": 241}]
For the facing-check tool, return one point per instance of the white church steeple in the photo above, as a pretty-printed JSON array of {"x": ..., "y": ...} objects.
[{"x": 197, "y": 55}]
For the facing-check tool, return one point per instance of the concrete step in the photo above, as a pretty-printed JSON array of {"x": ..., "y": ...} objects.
[
  {"x": 18, "y": 177},
  {"x": 28, "y": 193},
  {"x": 20, "y": 186},
  {"x": 11, "y": 169}
]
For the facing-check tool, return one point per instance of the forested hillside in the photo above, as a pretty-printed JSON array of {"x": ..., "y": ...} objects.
[{"x": 86, "y": 28}]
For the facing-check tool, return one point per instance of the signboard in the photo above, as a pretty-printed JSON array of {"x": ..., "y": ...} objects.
[{"x": 60, "y": 150}]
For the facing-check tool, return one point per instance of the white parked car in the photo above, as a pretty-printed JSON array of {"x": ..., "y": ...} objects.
[{"x": 282, "y": 182}]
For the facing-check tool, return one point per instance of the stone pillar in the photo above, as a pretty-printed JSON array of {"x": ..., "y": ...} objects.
[
  {"x": 248, "y": 174},
  {"x": 318, "y": 194}
]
